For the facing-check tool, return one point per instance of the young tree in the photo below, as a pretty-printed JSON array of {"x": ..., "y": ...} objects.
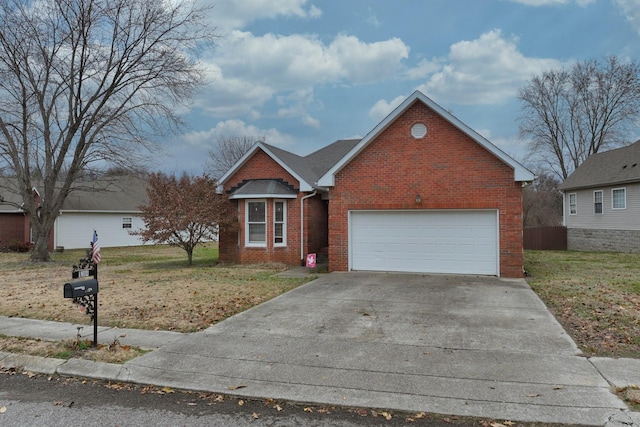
[
  {"x": 227, "y": 151},
  {"x": 568, "y": 115},
  {"x": 184, "y": 212},
  {"x": 89, "y": 82}
]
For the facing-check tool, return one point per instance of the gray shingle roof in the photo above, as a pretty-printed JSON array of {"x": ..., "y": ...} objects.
[
  {"x": 314, "y": 165},
  {"x": 618, "y": 166},
  {"x": 255, "y": 187},
  {"x": 121, "y": 194}
]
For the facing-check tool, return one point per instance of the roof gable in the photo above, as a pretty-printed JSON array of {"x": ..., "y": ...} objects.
[
  {"x": 290, "y": 162},
  {"x": 305, "y": 169},
  {"x": 618, "y": 166},
  {"x": 520, "y": 172}
]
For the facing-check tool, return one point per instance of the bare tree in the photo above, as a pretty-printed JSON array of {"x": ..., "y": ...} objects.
[
  {"x": 227, "y": 151},
  {"x": 542, "y": 202},
  {"x": 568, "y": 115},
  {"x": 86, "y": 83}
]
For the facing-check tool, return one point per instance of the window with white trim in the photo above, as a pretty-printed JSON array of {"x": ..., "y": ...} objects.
[
  {"x": 279, "y": 223},
  {"x": 619, "y": 198},
  {"x": 256, "y": 223},
  {"x": 597, "y": 202},
  {"x": 573, "y": 204},
  {"x": 127, "y": 222}
]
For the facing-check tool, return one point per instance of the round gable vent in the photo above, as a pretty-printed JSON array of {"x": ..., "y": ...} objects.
[{"x": 418, "y": 131}]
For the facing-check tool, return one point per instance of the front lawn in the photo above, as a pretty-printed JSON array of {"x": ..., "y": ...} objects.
[
  {"x": 595, "y": 296},
  {"x": 145, "y": 287}
]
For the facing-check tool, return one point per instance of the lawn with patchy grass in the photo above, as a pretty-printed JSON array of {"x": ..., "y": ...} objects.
[
  {"x": 145, "y": 287},
  {"x": 595, "y": 296}
]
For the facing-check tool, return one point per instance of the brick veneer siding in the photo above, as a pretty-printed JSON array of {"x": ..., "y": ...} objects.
[
  {"x": 447, "y": 168},
  {"x": 13, "y": 226},
  {"x": 232, "y": 244},
  {"x": 580, "y": 239}
]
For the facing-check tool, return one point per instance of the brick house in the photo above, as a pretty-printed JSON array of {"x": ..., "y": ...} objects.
[
  {"x": 15, "y": 226},
  {"x": 421, "y": 192}
]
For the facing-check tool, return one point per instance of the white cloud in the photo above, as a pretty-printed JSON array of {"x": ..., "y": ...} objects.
[
  {"x": 422, "y": 70},
  {"x": 382, "y": 108},
  {"x": 552, "y": 2},
  {"x": 631, "y": 10},
  {"x": 231, "y": 97},
  {"x": 488, "y": 70},
  {"x": 247, "y": 71},
  {"x": 371, "y": 18},
  {"x": 296, "y": 61},
  {"x": 232, "y": 14},
  {"x": 311, "y": 122},
  {"x": 234, "y": 127}
]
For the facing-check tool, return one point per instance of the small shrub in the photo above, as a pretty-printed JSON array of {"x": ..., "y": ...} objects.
[{"x": 16, "y": 246}]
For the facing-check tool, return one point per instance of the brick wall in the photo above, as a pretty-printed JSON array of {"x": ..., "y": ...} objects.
[
  {"x": 580, "y": 239},
  {"x": 232, "y": 244},
  {"x": 316, "y": 224},
  {"x": 13, "y": 226},
  {"x": 447, "y": 168}
]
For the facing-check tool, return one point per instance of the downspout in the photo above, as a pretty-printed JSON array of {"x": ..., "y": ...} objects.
[
  {"x": 302, "y": 225},
  {"x": 564, "y": 209}
]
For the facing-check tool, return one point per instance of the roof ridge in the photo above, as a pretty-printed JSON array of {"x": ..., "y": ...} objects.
[{"x": 606, "y": 168}]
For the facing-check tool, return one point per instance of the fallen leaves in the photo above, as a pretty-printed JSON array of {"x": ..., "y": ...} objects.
[
  {"x": 236, "y": 387},
  {"x": 600, "y": 311}
]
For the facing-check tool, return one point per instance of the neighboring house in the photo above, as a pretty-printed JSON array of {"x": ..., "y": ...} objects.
[
  {"x": 109, "y": 206},
  {"x": 421, "y": 192},
  {"x": 601, "y": 200},
  {"x": 14, "y": 224}
]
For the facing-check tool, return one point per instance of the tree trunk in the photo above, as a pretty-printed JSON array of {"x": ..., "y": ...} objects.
[
  {"x": 40, "y": 251},
  {"x": 190, "y": 256}
]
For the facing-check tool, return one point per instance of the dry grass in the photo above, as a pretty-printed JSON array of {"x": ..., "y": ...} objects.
[
  {"x": 147, "y": 287},
  {"x": 112, "y": 352},
  {"x": 595, "y": 296}
]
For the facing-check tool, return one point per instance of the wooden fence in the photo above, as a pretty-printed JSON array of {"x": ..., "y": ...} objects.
[{"x": 546, "y": 238}]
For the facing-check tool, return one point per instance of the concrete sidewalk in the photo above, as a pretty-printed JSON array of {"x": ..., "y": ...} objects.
[{"x": 458, "y": 345}]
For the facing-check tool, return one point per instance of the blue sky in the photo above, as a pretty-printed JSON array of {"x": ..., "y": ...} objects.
[{"x": 304, "y": 73}]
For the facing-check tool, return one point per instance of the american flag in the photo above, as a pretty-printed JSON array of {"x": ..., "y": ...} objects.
[{"x": 95, "y": 248}]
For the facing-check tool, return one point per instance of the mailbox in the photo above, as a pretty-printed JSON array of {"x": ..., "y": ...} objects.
[{"x": 80, "y": 288}]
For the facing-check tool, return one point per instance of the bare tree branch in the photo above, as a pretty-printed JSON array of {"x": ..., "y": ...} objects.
[
  {"x": 227, "y": 151},
  {"x": 567, "y": 115},
  {"x": 88, "y": 83}
]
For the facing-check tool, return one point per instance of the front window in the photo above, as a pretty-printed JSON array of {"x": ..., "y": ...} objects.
[
  {"x": 619, "y": 196},
  {"x": 573, "y": 204},
  {"x": 597, "y": 202},
  {"x": 280, "y": 223},
  {"x": 256, "y": 223}
]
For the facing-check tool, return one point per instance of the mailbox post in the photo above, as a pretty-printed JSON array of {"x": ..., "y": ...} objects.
[{"x": 83, "y": 288}]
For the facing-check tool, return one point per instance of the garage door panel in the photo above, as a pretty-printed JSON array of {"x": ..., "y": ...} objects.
[{"x": 424, "y": 241}]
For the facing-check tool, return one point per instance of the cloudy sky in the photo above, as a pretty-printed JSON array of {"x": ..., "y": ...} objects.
[{"x": 304, "y": 73}]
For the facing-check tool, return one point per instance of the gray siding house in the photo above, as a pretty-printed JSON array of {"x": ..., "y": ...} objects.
[{"x": 601, "y": 201}]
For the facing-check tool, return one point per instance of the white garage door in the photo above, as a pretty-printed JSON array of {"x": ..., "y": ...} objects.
[{"x": 456, "y": 241}]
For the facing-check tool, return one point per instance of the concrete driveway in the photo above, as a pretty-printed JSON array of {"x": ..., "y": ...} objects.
[{"x": 462, "y": 345}]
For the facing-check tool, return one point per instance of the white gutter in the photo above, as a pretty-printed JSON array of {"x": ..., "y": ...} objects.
[{"x": 302, "y": 225}]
